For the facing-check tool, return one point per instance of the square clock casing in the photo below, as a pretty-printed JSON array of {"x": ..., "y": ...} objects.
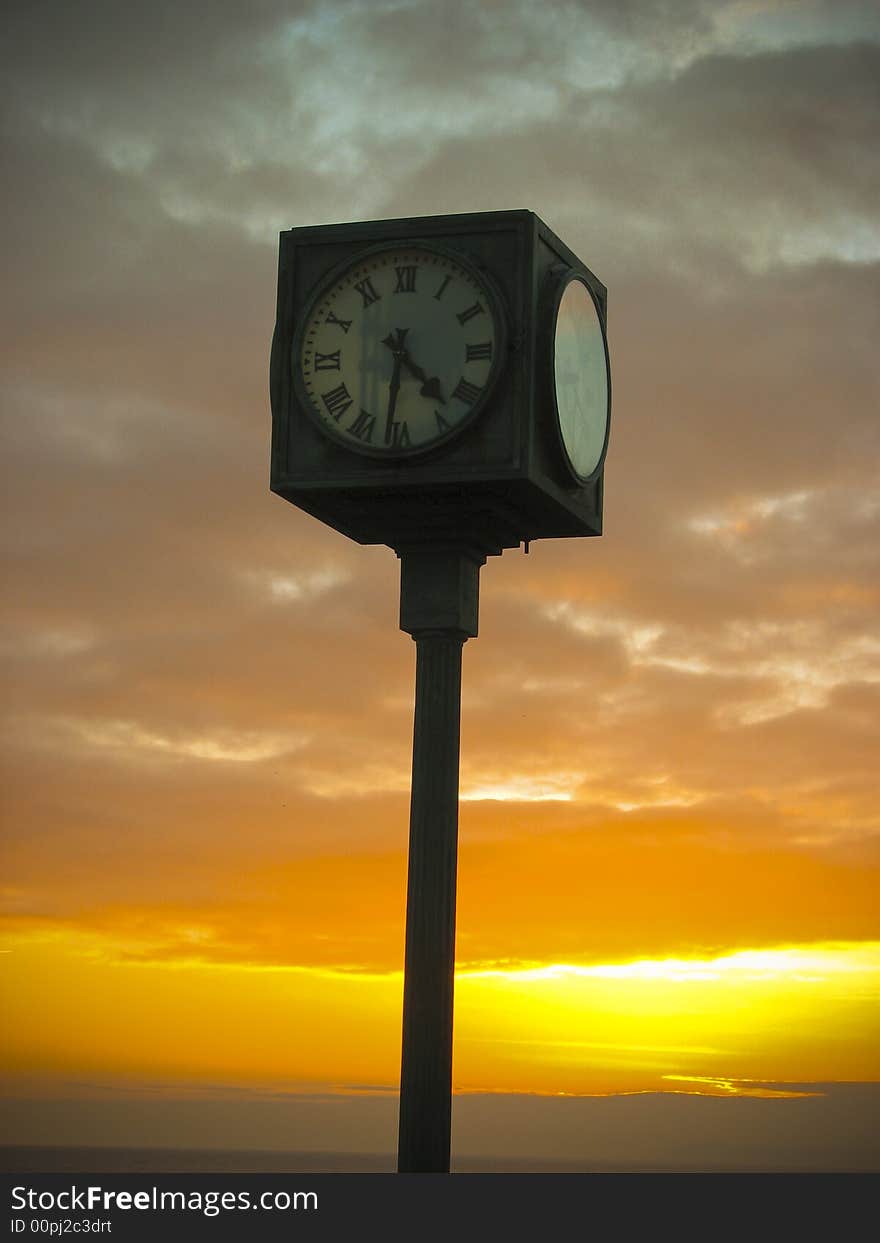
[{"x": 504, "y": 478}]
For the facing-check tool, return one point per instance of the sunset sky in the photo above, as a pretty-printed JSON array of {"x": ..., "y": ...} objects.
[{"x": 669, "y": 831}]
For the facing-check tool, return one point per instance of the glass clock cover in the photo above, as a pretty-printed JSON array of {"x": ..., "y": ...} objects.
[
  {"x": 580, "y": 371},
  {"x": 399, "y": 350}
]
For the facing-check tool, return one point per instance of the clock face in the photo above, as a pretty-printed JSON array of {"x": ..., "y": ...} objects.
[
  {"x": 580, "y": 371},
  {"x": 399, "y": 350}
]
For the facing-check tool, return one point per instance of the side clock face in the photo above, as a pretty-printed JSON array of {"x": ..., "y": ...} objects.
[
  {"x": 399, "y": 350},
  {"x": 581, "y": 379}
]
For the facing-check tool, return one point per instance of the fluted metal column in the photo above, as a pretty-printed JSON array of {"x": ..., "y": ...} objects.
[
  {"x": 439, "y": 605},
  {"x": 426, "y": 1062}
]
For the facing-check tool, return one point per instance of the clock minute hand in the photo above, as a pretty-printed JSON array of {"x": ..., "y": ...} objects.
[{"x": 395, "y": 345}]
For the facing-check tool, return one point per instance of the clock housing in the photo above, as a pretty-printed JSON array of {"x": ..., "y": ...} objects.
[{"x": 502, "y": 476}]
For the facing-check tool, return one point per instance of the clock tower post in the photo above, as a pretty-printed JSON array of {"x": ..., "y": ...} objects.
[
  {"x": 440, "y": 385},
  {"x": 439, "y": 604}
]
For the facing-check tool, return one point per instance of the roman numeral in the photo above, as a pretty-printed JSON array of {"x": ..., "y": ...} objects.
[
  {"x": 327, "y": 362},
  {"x": 363, "y": 426},
  {"x": 367, "y": 290},
  {"x": 406, "y": 279},
  {"x": 473, "y": 352},
  {"x": 332, "y": 318},
  {"x": 466, "y": 392},
  {"x": 337, "y": 400},
  {"x": 469, "y": 313},
  {"x": 400, "y": 435},
  {"x": 442, "y": 425},
  {"x": 439, "y": 294}
]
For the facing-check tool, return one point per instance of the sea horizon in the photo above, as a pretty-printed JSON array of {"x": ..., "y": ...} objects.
[{"x": 107, "y": 1159}]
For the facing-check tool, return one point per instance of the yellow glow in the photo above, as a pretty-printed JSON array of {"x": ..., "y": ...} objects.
[
  {"x": 548, "y": 789},
  {"x": 744, "y": 1023},
  {"x": 804, "y": 1013},
  {"x": 801, "y": 963},
  {"x": 704, "y": 1085}
]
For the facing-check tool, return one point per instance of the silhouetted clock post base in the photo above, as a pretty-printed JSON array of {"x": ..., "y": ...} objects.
[{"x": 439, "y": 605}]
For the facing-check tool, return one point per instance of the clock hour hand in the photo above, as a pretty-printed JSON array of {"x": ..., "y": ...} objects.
[
  {"x": 430, "y": 384},
  {"x": 431, "y": 388}
]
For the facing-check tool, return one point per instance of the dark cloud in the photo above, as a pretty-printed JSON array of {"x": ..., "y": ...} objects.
[{"x": 743, "y": 156}]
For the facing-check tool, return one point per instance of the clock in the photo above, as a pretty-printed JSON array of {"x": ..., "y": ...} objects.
[
  {"x": 440, "y": 379},
  {"x": 399, "y": 349},
  {"x": 581, "y": 377}
]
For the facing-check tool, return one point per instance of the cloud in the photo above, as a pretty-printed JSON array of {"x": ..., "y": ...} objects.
[
  {"x": 755, "y": 167},
  {"x": 199, "y": 675}
]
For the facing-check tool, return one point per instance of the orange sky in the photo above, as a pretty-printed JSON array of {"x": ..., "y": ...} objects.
[{"x": 669, "y": 859}]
